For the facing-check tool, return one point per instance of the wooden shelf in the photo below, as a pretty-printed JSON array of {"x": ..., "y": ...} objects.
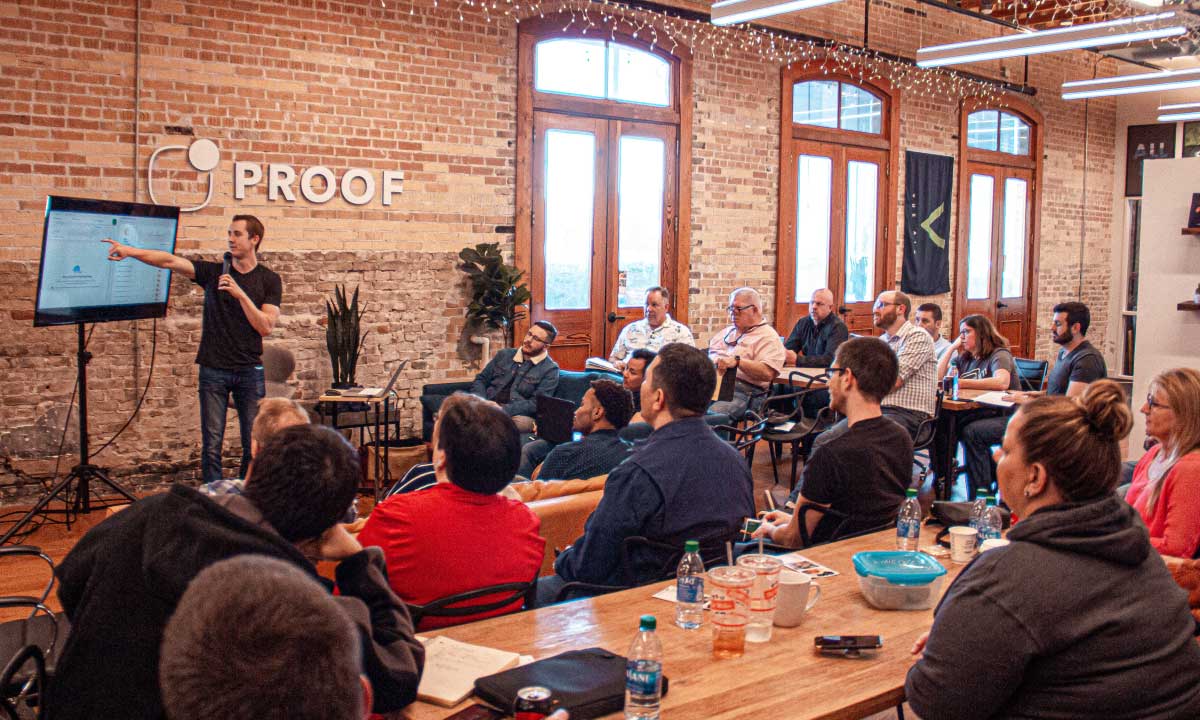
[
  {"x": 1188, "y": 306},
  {"x": 1191, "y": 231}
]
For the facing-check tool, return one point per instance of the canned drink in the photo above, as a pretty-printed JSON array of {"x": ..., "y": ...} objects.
[{"x": 533, "y": 703}]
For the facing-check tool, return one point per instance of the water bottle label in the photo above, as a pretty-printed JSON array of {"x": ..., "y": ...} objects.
[
  {"x": 689, "y": 589},
  {"x": 641, "y": 676},
  {"x": 908, "y": 529}
]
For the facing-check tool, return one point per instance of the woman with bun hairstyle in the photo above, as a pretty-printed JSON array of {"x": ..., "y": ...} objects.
[
  {"x": 1077, "y": 616},
  {"x": 1166, "y": 481}
]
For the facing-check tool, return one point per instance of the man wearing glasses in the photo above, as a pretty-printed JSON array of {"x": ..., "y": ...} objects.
[
  {"x": 516, "y": 376},
  {"x": 914, "y": 397},
  {"x": 751, "y": 346},
  {"x": 814, "y": 341}
]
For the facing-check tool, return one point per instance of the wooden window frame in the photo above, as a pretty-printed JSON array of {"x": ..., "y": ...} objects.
[
  {"x": 788, "y": 312},
  {"x": 1033, "y": 162},
  {"x": 678, "y": 112}
]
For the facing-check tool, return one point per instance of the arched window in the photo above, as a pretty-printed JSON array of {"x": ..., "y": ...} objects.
[
  {"x": 602, "y": 181},
  {"x": 998, "y": 219},
  {"x": 836, "y": 190}
]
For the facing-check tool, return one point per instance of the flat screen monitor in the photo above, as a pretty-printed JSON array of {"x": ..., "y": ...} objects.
[{"x": 77, "y": 283}]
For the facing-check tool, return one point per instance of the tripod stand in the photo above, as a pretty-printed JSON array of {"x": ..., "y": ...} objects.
[{"x": 74, "y": 490}]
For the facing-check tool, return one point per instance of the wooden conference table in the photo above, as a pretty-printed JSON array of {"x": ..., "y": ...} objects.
[
  {"x": 948, "y": 424},
  {"x": 783, "y": 678}
]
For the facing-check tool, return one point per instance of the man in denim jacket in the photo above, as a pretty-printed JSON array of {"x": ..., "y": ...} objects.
[{"x": 516, "y": 376}]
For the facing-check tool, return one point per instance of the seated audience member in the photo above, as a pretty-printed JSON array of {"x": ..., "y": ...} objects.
[
  {"x": 864, "y": 471},
  {"x": 239, "y": 612},
  {"x": 120, "y": 584},
  {"x": 605, "y": 409},
  {"x": 418, "y": 477},
  {"x": 1166, "y": 481},
  {"x": 1077, "y": 616},
  {"x": 1078, "y": 364},
  {"x": 982, "y": 361},
  {"x": 515, "y": 376},
  {"x": 633, "y": 375},
  {"x": 929, "y": 318},
  {"x": 751, "y": 346},
  {"x": 914, "y": 398},
  {"x": 814, "y": 341},
  {"x": 274, "y": 414},
  {"x": 683, "y": 483},
  {"x": 459, "y": 535},
  {"x": 657, "y": 329}
]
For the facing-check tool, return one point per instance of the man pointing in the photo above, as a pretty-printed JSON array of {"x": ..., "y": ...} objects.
[{"x": 241, "y": 307}]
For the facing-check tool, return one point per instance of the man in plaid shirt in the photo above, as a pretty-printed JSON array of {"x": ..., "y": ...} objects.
[{"x": 914, "y": 398}]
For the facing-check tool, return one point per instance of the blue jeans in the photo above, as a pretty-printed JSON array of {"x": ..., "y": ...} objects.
[{"x": 248, "y": 387}]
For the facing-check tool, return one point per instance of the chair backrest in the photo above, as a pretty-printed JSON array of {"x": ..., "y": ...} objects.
[
  {"x": 574, "y": 384},
  {"x": 928, "y": 427},
  {"x": 1031, "y": 373},
  {"x": 562, "y": 521},
  {"x": 459, "y": 605},
  {"x": 645, "y": 560},
  {"x": 23, "y": 685}
]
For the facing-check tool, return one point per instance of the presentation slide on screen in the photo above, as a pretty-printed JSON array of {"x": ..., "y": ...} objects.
[{"x": 76, "y": 271}]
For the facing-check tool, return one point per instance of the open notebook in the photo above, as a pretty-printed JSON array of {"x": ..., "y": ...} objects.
[{"x": 451, "y": 668}]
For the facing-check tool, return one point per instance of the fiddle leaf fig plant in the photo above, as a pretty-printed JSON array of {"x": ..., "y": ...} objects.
[{"x": 498, "y": 296}]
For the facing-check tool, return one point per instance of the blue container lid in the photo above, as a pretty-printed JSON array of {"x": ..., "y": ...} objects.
[{"x": 899, "y": 567}]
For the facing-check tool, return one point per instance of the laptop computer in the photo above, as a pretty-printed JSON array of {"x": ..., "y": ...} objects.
[
  {"x": 555, "y": 418},
  {"x": 380, "y": 392}
]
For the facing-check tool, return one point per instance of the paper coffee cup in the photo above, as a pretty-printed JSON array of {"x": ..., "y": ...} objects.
[{"x": 962, "y": 543}]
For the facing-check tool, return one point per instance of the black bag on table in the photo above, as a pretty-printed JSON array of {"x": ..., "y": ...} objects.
[{"x": 589, "y": 683}]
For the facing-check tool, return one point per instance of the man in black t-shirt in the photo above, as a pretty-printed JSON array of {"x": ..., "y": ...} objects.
[
  {"x": 864, "y": 471},
  {"x": 1078, "y": 365},
  {"x": 240, "y": 309}
]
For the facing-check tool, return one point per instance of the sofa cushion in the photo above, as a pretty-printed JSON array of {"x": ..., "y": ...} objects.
[
  {"x": 532, "y": 490},
  {"x": 574, "y": 384}
]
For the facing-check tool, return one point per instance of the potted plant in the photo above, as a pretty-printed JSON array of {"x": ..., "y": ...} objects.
[
  {"x": 497, "y": 291},
  {"x": 342, "y": 336}
]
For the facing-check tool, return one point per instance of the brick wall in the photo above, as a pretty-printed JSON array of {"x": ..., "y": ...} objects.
[{"x": 432, "y": 94}]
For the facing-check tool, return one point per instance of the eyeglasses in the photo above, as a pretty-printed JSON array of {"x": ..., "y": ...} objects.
[
  {"x": 1152, "y": 403},
  {"x": 879, "y": 304},
  {"x": 529, "y": 334},
  {"x": 737, "y": 309},
  {"x": 835, "y": 371}
]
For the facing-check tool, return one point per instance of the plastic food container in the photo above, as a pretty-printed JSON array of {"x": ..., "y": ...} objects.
[{"x": 899, "y": 579}]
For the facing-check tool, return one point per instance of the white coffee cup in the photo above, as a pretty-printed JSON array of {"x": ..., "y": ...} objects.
[
  {"x": 962, "y": 543},
  {"x": 792, "y": 602}
]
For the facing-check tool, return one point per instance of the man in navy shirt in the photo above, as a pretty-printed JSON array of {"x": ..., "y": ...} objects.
[
  {"x": 683, "y": 483},
  {"x": 241, "y": 307},
  {"x": 606, "y": 408},
  {"x": 1078, "y": 365}
]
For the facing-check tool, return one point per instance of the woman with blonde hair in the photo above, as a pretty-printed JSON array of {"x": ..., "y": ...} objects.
[
  {"x": 1077, "y": 616},
  {"x": 1166, "y": 481}
]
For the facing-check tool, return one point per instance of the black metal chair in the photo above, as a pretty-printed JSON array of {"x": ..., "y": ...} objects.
[
  {"x": 712, "y": 550},
  {"x": 923, "y": 442},
  {"x": 1031, "y": 373},
  {"x": 744, "y": 438},
  {"x": 29, "y": 646},
  {"x": 460, "y": 605},
  {"x": 786, "y": 422}
]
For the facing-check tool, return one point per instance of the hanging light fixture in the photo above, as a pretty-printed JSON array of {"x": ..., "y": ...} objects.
[
  {"x": 1129, "y": 84},
  {"x": 729, "y": 12},
  {"x": 1113, "y": 32},
  {"x": 1179, "y": 111}
]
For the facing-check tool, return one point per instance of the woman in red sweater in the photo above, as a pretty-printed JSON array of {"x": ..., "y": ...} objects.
[{"x": 1166, "y": 481}]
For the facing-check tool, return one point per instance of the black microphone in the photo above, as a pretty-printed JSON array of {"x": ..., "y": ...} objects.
[{"x": 225, "y": 264}]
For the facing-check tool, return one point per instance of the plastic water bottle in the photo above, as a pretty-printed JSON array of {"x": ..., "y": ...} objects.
[
  {"x": 908, "y": 524},
  {"x": 643, "y": 673},
  {"x": 976, "y": 518},
  {"x": 991, "y": 523},
  {"x": 954, "y": 389},
  {"x": 689, "y": 588}
]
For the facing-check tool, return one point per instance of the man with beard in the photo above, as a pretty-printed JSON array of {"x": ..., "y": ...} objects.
[
  {"x": 914, "y": 397},
  {"x": 1078, "y": 365}
]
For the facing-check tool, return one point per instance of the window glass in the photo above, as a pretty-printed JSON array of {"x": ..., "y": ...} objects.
[
  {"x": 981, "y": 129},
  {"x": 637, "y": 76},
  {"x": 642, "y": 176},
  {"x": 1014, "y": 135},
  {"x": 814, "y": 190},
  {"x": 570, "y": 195},
  {"x": 979, "y": 237},
  {"x": 601, "y": 69},
  {"x": 815, "y": 103},
  {"x": 570, "y": 66},
  {"x": 862, "y": 193},
  {"x": 1012, "y": 279},
  {"x": 861, "y": 111}
]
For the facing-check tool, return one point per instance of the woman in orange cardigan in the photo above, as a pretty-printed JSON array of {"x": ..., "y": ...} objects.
[{"x": 1166, "y": 481}]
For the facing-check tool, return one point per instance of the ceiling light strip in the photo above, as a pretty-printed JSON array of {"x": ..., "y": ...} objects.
[
  {"x": 729, "y": 12},
  {"x": 1113, "y": 32},
  {"x": 1179, "y": 111},
  {"x": 1130, "y": 84}
]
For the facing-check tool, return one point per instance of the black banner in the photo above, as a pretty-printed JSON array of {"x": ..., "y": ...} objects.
[{"x": 928, "y": 182}]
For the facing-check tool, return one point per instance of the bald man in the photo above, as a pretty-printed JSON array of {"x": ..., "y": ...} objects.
[{"x": 814, "y": 342}]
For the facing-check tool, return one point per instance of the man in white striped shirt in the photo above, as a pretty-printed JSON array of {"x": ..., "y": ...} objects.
[{"x": 914, "y": 398}]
